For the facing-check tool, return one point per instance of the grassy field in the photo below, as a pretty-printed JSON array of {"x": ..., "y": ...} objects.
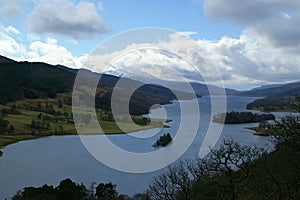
[
  {"x": 9, "y": 139},
  {"x": 23, "y": 115}
]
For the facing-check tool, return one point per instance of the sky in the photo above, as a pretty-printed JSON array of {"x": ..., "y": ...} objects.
[{"x": 252, "y": 43}]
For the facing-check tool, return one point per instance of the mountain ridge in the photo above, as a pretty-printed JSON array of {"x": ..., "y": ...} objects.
[
  {"x": 20, "y": 80},
  {"x": 57, "y": 74},
  {"x": 289, "y": 89},
  {"x": 4, "y": 59}
]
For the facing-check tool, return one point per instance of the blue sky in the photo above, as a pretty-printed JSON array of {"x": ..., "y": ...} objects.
[
  {"x": 184, "y": 15},
  {"x": 252, "y": 43}
]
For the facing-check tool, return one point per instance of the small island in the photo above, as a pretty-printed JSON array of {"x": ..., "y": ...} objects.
[
  {"x": 163, "y": 141},
  {"x": 242, "y": 117}
]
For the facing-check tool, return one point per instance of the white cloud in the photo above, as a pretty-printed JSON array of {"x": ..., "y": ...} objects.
[
  {"x": 10, "y": 42},
  {"x": 10, "y": 8},
  {"x": 63, "y": 17},
  {"x": 255, "y": 59},
  {"x": 27, "y": 48},
  {"x": 276, "y": 21},
  {"x": 13, "y": 30},
  {"x": 243, "y": 62},
  {"x": 49, "y": 52}
]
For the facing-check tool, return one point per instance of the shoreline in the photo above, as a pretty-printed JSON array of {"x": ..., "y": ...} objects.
[
  {"x": 257, "y": 132},
  {"x": 23, "y": 131},
  {"x": 12, "y": 139}
]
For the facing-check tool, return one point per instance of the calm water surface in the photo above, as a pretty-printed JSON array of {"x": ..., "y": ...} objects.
[{"x": 52, "y": 159}]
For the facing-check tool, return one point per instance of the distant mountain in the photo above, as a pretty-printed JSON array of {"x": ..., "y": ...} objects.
[
  {"x": 282, "y": 90},
  {"x": 277, "y": 98},
  {"x": 201, "y": 89},
  {"x": 19, "y": 80},
  {"x": 266, "y": 87}
]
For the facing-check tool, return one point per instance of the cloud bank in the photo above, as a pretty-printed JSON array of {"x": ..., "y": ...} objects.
[
  {"x": 10, "y": 8},
  {"x": 266, "y": 52},
  {"x": 22, "y": 47},
  {"x": 244, "y": 62},
  {"x": 276, "y": 21},
  {"x": 63, "y": 17}
]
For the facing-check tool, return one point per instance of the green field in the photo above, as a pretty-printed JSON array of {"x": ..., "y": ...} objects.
[{"x": 35, "y": 118}]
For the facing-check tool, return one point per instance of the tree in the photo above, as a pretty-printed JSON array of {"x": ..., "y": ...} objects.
[
  {"x": 4, "y": 112},
  {"x": 213, "y": 177},
  {"x": 59, "y": 103},
  {"x": 298, "y": 103},
  {"x": 48, "y": 126},
  {"x": 40, "y": 116},
  {"x": 242, "y": 117},
  {"x": 226, "y": 160},
  {"x": 14, "y": 110},
  {"x": 60, "y": 129},
  {"x": 35, "y": 124},
  {"x": 141, "y": 196},
  {"x": 11, "y": 128},
  {"x": 163, "y": 140},
  {"x": 285, "y": 131},
  {"x": 3, "y": 125},
  {"x": 106, "y": 191},
  {"x": 281, "y": 171},
  {"x": 172, "y": 184},
  {"x": 40, "y": 105},
  {"x": 68, "y": 190},
  {"x": 42, "y": 193}
]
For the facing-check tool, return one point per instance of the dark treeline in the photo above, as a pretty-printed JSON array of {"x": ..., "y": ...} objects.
[
  {"x": 232, "y": 172},
  {"x": 242, "y": 117},
  {"x": 238, "y": 172},
  {"x": 33, "y": 80},
  {"x": 272, "y": 104},
  {"x": 163, "y": 140},
  {"x": 68, "y": 190}
]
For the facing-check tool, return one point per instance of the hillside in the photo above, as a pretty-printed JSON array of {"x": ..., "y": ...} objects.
[
  {"x": 4, "y": 59},
  {"x": 201, "y": 89},
  {"x": 276, "y": 104},
  {"x": 290, "y": 89},
  {"x": 278, "y": 97},
  {"x": 266, "y": 87},
  {"x": 36, "y": 101},
  {"x": 21, "y": 80}
]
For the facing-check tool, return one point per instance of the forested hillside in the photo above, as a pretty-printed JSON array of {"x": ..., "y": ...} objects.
[
  {"x": 21, "y": 80},
  {"x": 290, "y": 89}
]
